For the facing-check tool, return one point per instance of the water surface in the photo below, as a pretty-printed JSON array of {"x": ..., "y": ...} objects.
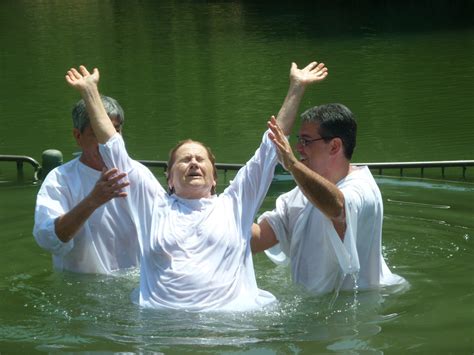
[{"x": 216, "y": 71}]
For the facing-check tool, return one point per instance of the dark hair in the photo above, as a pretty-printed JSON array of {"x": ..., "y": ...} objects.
[
  {"x": 335, "y": 120},
  {"x": 172, "y": 158},
  {"x": 80, "y": 118}
]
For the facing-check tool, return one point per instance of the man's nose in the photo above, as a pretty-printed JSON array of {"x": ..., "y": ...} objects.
[{"x": 299, "y": 147}]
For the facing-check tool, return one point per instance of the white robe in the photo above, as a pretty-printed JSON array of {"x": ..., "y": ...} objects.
[
  {"x": 107, "y": 241},
  {"x": 319, "y": 260},
  {"x": 196, "y": 253}
]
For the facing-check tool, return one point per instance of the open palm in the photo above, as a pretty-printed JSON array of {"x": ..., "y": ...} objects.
[
  {"x": 83, "y": 78},
  {"x": 312, "y": 73}
]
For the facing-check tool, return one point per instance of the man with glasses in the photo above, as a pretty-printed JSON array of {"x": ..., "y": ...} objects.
[{"x": 330, "y": 225}]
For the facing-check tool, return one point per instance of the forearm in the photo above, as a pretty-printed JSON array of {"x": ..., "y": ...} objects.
[
  {"x": 319, "y": 191},
  {"x": 100, "y": 121},
  {"x": 263, "y": 237},
  {"x": 67, "y": 225},
  {"x": 299, "y": 79},
  {"x": 287, "y": 114}
]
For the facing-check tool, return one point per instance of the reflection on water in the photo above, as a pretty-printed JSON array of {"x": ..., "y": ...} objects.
[
  {"x": 424, "y": 241},
  {"x": 68, "y": 312},
  {"x": 216, "y": 71}
]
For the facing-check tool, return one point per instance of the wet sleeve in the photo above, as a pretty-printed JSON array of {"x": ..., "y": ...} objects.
[
  {"x": 142, "y": 185},
  {"x": 279, "y": 221},
  {"x": 346, "y": 251},
  {"x": 53, "y": 200},
  {"x": 115, "y": 155},
  {"x": 250, "y": 185}
]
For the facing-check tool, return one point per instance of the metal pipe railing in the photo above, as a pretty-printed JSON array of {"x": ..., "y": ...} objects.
[
  {"x": 20, "y": 160},
  {"x": 374, "y": 166},
  {"x": 380, "y": 167},
  {"x": 421, "y": 165}
]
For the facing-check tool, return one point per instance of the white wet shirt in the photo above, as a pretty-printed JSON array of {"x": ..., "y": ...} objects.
[
  {"x": 319, "y": 260},
  {"x": 196, "y": 253},
  {"x": 108, "y": 240}
]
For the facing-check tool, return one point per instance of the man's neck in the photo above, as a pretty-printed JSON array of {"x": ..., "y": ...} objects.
[
  {"x": 92, "y": 163},
  {"x": 339, "y": 171}
]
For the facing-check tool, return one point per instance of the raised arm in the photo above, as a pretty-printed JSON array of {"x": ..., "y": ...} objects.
[
  {"x": 299, "y": 80},
  {"x": 319, "y": 191},
  {"x": 87, "y": 84}
]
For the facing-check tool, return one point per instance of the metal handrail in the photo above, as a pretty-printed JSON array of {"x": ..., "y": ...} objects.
[
  {"x": 421, "y": 165},
  {"x": 20, "y": 159},
  {"x": 464, "y": 164},
  {"x": 374, "y": 166}
]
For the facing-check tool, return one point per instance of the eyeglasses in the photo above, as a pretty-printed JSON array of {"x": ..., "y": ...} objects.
[{"x": 305, "y": 142}]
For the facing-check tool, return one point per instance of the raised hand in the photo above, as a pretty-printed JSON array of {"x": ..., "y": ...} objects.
[
  {"x": 83, "y": 78},
  {"x": 285, "y": 153},
  {"x": 109, "y": 186},
  {"x": 86, "y": 83},
  {"x": 310, "y": 74}
]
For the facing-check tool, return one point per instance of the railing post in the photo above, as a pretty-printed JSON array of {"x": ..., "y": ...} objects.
[{"x": 19, "y": 170}]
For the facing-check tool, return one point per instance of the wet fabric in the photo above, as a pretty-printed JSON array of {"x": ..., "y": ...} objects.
[
  {"x": 108, "y": 240},
  {"x": 196, "y": 253},
  {"x": 308, "y": 241}
]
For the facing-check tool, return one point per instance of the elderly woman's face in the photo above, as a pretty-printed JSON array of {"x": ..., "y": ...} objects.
[{"x": 192, "y": 174}]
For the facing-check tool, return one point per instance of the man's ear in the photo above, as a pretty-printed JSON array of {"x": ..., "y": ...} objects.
[
  {"x": 77, "y": 134},
  {"x": 336, "y": 145},
  {"x": 168, "y": 180}
]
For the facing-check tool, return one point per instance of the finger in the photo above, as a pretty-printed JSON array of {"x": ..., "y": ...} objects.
[
  {"x": 75, "y": 74},
  {"x": 271, "y": 122},
  {"x": 121, "y": 185},
  {"x": 319, "y": 71},
  {"x": 281, "y": 147},
  {"x": 276, "y": 127},
  {"x": 322, "y": 70},
  {"x": 280, "y": 140},
  {"x": 107, "y": 174},
  {"x": 321, "y": 76},
  {"x": 70, "y": 77},
  {"x": 84, "y": 70},
  {"x": 320, "y": 66},
  {"x": 117, "y": 178},
  {"x": 310, "y": 66},
  {"x": 110, "y": 171},
  {"x": 273, "y": 128}
]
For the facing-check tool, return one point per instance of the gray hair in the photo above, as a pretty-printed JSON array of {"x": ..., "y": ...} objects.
[{"x": 80, "y": 118}]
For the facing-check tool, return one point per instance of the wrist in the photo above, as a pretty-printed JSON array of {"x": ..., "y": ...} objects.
[
  {"x": 291, "y": 164},
  {"x": 91, "y": 203},
  {"x": 297, "y": 86}
]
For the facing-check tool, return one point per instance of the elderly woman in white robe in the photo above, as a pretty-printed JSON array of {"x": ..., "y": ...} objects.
[{"x": 195, "y": 245}]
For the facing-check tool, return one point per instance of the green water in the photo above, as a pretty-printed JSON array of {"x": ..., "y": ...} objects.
[{"x": 215, "y": 71}]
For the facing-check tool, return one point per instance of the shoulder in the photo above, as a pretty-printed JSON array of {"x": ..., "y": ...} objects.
[
  {"x": 360, "y": 186},
  {"x": 359, "y": 177},
  {"x": 61, "y": 171},
  {"x": 292, "y": 198},
  {"x": 139, "y": 166}
]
